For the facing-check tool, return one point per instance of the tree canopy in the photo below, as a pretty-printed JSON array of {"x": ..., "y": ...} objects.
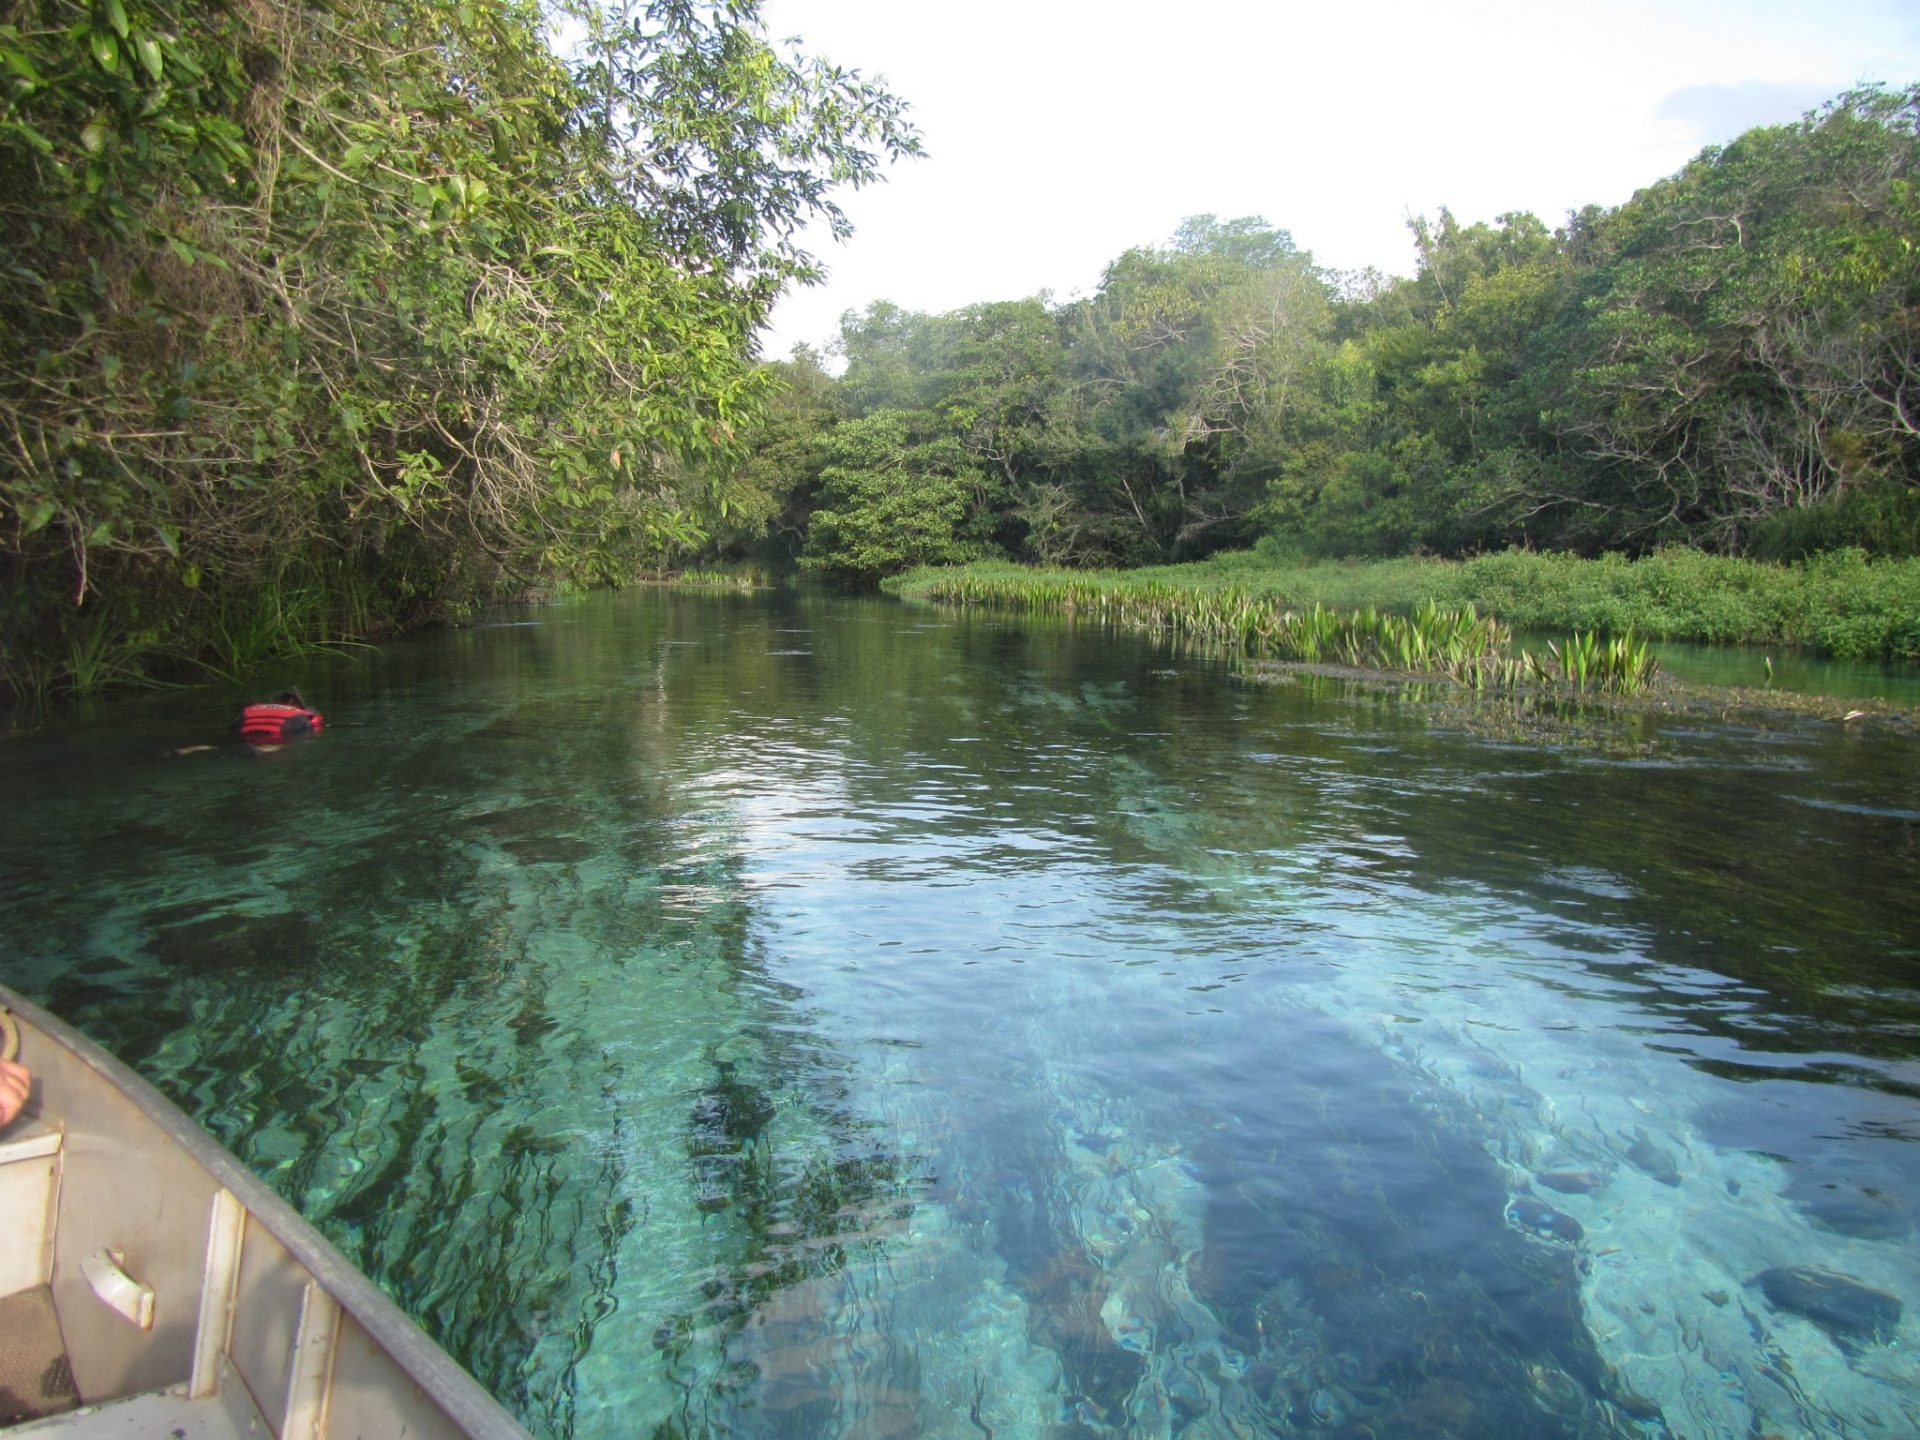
[
  {"x": 1730, "y": 360},
  {"x": 322, "y": 317}
]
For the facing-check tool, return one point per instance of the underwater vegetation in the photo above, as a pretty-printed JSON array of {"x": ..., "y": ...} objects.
[{"x": 910, "y": 1040}]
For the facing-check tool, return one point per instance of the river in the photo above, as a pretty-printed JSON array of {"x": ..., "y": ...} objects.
[{"x": 786, "y": 1015}]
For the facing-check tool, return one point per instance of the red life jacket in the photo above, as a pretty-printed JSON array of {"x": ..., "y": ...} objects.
[{"x": 269, "y": 724}]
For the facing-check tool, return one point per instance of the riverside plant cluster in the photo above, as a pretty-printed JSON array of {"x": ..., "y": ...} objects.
[{"x": 1473, "y": 649}]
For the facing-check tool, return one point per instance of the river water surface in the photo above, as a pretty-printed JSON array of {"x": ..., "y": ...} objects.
[{"x": 791, "y": 1016}]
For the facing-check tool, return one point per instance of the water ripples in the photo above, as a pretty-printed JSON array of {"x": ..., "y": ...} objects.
[{"x": 964, "y": 1028}]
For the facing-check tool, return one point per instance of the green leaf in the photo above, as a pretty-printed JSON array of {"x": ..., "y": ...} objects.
[
  {"x": 106, "y": 51},
  {"x": 148, "y": 50},
  {"x": 17, "y": 61},
  {"x": 190, "y": 577},
  {"x": 37, "y": 517},
  {"x": 117, "y": 17},
  {"x": 171, "y": 540},
  {"x": 94, "y": 136}
]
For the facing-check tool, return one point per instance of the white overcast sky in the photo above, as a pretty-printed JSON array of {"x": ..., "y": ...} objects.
[{"x": 1060, "y": 133}]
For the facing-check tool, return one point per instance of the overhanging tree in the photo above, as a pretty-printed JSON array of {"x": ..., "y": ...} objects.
[{"x": 321, "y": 317}]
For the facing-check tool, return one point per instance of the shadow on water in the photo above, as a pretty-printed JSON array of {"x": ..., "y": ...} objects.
[{"x": 1379, "y": 1289}]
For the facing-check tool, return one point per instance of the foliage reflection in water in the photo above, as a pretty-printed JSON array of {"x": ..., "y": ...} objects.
[{"x": 734, "y": 1015}]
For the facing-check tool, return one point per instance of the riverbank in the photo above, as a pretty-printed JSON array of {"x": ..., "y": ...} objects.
[{"x": 1840, "y": 604}]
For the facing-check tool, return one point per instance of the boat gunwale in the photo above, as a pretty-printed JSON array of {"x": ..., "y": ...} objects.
[{"x": 456, "y": 1392}]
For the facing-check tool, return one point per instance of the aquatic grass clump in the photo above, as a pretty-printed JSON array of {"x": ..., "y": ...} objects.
[
  {"x": 1587, "y": 663},
  {"x": 1432, "y": 640},
  {"x": 216, "y": 632},
  {"x": 744, "y": 579},
  {"x": 1457, "y": 642},
  {"x": 1617, "y": 665}
]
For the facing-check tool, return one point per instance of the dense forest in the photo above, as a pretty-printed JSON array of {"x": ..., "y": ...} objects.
[
  {"x": 319, "y": 319},
  {"x": 1728, "y": 361},
  {"x": 325, "y": 320}
]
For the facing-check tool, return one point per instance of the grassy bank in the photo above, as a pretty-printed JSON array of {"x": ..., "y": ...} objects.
[{"x": 1840, "y": 604}]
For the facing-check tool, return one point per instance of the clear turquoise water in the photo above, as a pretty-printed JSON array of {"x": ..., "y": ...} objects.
[{"x": 811, "y": 1017}]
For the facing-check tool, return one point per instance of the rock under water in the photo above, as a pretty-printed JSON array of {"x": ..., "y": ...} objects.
[
  {"x": 1652, "y": 1161},
  {"x": 1864, "y": 1212},
  {"x": 1838, "y": 1304},
  {"x": 1538, "y": 1219}
]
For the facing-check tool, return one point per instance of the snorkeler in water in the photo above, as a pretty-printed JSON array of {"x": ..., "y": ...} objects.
[
  {"x": 269, "y": 724},
  {"x": 273, "y": 723}
]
